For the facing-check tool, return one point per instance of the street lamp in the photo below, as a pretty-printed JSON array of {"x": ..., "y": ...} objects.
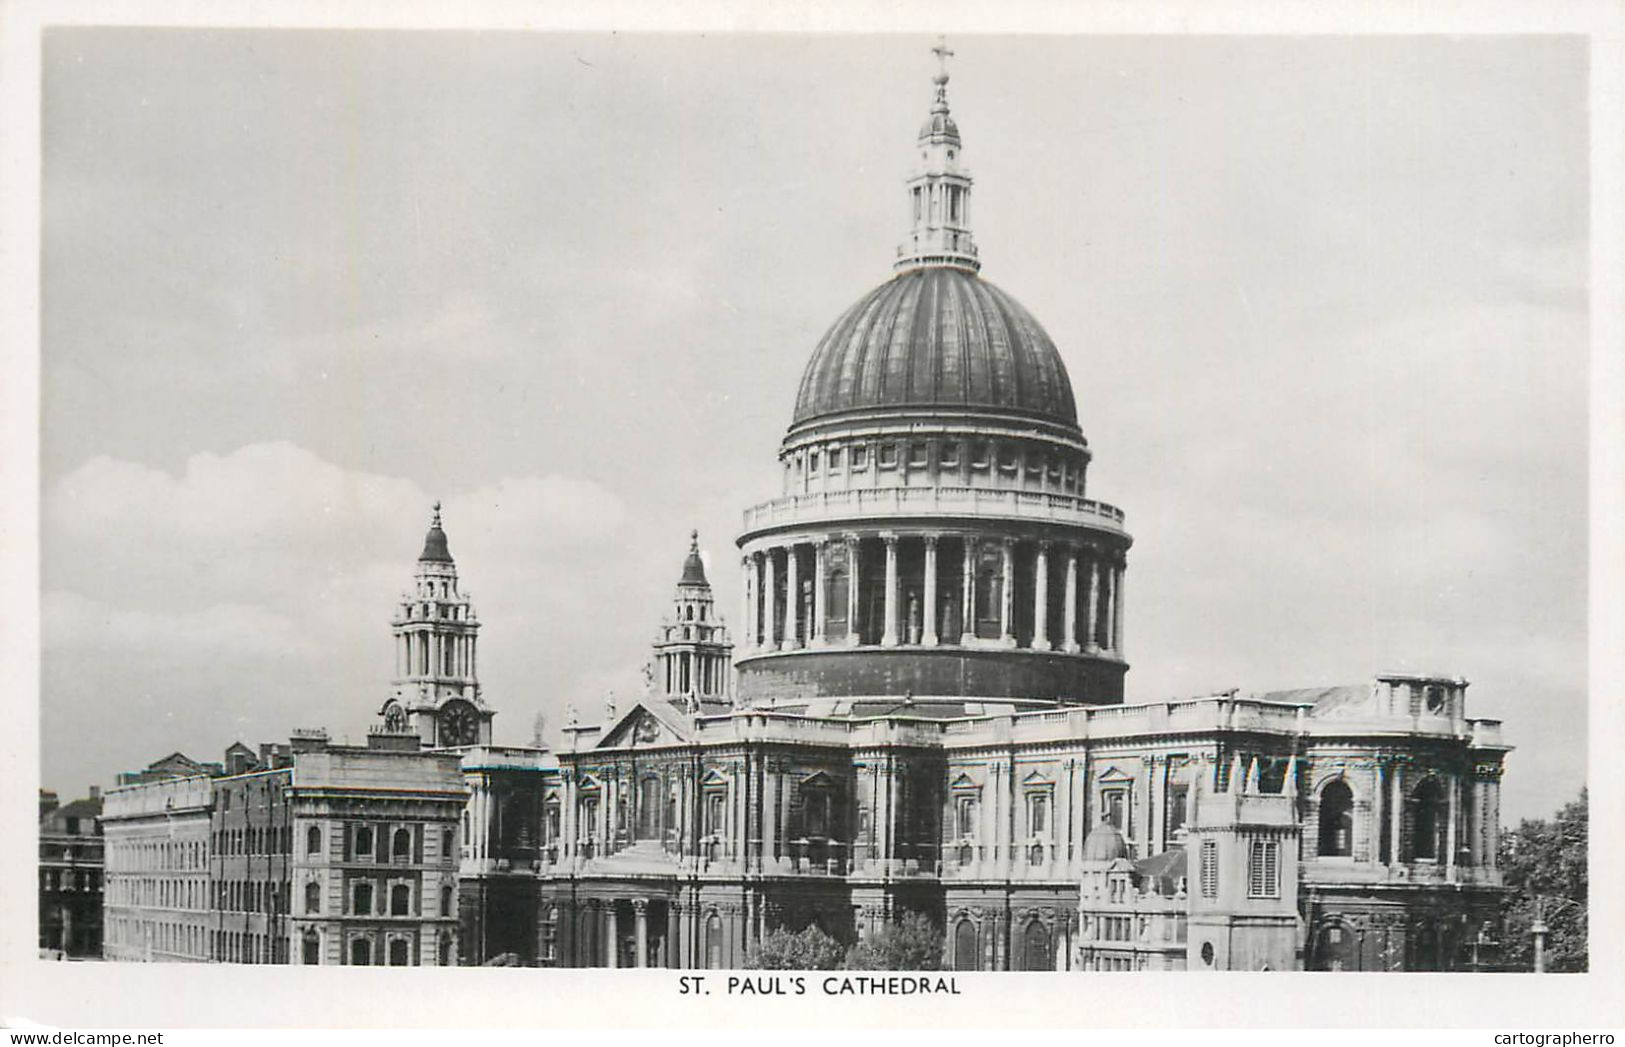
[{"x": 1538, "y": 927}]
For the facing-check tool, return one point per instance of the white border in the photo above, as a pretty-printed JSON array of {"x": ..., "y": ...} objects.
[{"x": 91, "y": 995}]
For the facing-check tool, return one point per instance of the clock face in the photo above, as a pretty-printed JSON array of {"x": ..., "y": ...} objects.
[{"x": 459, "y": 725}]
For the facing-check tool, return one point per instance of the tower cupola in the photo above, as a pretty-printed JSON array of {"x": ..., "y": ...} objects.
[
  {"x": 436, "y": 692},
  {"x": 939, "y": 190}
]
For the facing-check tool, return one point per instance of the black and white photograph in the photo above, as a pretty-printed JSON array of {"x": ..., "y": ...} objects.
[{"x": 914, "y": 513}]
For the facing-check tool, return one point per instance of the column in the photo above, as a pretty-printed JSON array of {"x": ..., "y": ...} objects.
[
  {"x": 1109, "y": 626},
  {"x": 1450, "y": 826},
  {"x": 769, "y": 599},
  {"x": 928, "y": 632},
  {"x": 1117, "y": 615},
  {"x": 889, "y": 637},
  {"x": 612, "y": 935},
  {"x": 640, "y": 908},
  {"x": 1007, "y": 604},
  {"x": 967, "y": 613},
  {"x": 792, "y": 599},
  {"x": 1041, "y": 598},
  {"x": 1069, "y": 617},
  {"x": 1089, "y": 644},
  {"x": 770, "y": 818},
  {"x": 1397, "y": 805},
  {"x": 852, "y": 590},
  {"x": 747, "y": 635},
  {"x": 1378, "y": 804},
  {"x": 820, "y": 591}
]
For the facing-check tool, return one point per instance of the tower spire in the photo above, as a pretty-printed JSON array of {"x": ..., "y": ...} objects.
[{"x": 939, "y": 189}]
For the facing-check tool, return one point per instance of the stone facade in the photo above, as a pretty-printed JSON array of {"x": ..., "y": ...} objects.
[
  {"x": 70, "y": 876},
  {"x": 341, "y": 855}
]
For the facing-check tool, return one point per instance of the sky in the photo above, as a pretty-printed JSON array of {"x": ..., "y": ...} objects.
[{"x": 1322, "y": 300}]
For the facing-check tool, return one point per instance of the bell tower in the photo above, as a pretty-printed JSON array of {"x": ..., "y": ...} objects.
[
  {"x": 692, "y": 653},
  {"x": 436, "y": 691}
]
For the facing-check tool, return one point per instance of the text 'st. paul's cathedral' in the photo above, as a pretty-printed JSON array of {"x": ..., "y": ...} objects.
[{"x": 927, "y": 713}]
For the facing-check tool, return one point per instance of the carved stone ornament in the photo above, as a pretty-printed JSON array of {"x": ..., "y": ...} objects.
[{"x": 648, "y": 730}]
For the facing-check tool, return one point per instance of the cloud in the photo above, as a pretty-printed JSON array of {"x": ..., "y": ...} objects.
[{"x": 252, "y": 590}]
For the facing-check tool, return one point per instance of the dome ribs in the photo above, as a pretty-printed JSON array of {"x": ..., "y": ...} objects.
[
  {"x": 950, "y": 354},
  {"x": 1003, "y": 389},
  {"x": 936, "y": 336},
  {"x": 923, "y": 338}
]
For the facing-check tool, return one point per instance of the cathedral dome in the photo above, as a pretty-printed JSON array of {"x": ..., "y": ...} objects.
[
  {"x": 1104, "y": 844},
  {"x": 937, "y": 337}
]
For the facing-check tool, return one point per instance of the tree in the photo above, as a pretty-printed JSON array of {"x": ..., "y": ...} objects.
[
  {"x": 806, "y": 950},
  {"x": 913, "y": 944},
  {"x": 1544, "y": 862}
]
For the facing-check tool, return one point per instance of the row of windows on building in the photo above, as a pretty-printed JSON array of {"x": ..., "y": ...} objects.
[
  {"x": 249, "y": 947},
  {"x": 380, "y": 843},
  {"x": 126, "y": 934},
  {"x": 166, "y": 892},
  {"x": 157, "y": 855},
  {"x": 263, "y": 896},
  {"x": 253, "y": 839},
  {"x": 87, "y": 880},
  {"x": 367, "y": 899},
  {"x": 1041, "y": 465},
  {"x": 364, "y": 951}
]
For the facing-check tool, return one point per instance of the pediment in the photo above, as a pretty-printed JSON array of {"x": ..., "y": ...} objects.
[
  {"x": 818, "y": 780},
  {"x": 1037, "y": 780},
  {"x": 965, "y": 781},
  {"x": 643, "y": 726},
  {"x": 1114, "y": 774}
]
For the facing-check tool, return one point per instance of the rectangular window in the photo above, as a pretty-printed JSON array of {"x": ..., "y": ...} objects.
[
  {"x": 1210, "y": 868},
  {"x": 860, "y": 458},
  {"x": 1038, "y": 814},
  {"x": 1263, "y": 869},
  {"x": 1115, "y": 807}
]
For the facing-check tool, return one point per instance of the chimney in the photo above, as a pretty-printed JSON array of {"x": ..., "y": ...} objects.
[{"x": 95, "y": 792}]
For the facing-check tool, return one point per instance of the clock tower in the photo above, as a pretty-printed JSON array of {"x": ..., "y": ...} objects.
[{"x": 436, "y": 691}]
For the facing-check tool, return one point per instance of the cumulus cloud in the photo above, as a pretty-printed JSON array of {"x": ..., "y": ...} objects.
[{"x": 277, "y": 570}]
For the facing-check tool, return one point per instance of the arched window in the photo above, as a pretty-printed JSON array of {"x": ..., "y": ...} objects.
[
  {"x": 1336, "y": 820},
  {"x": 360, "y": 952},
  {"x": 363, "y": 841},
  {"x": 400, "y": 900},
  {"x": 401, "y": 847},
  {"x": 965, "y": 958},
  {"x": 445, "y": 950},
  {"x": 445, "y": 901},
  {"x": 398, "y": 956},
  {"x": 1427, "y": 824},
  {"x": 313, "y": 840},
  {"x": 312, "y": 948},
  {"x": 1036, "y": 948},
  {"x": 313, "y": 898},
  {"x": 363, "y": 899}
]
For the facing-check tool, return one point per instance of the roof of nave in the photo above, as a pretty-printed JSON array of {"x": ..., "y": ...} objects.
[
  {"x": 1323, "y": 699},
  {"x": 1162, "y": 871}
]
